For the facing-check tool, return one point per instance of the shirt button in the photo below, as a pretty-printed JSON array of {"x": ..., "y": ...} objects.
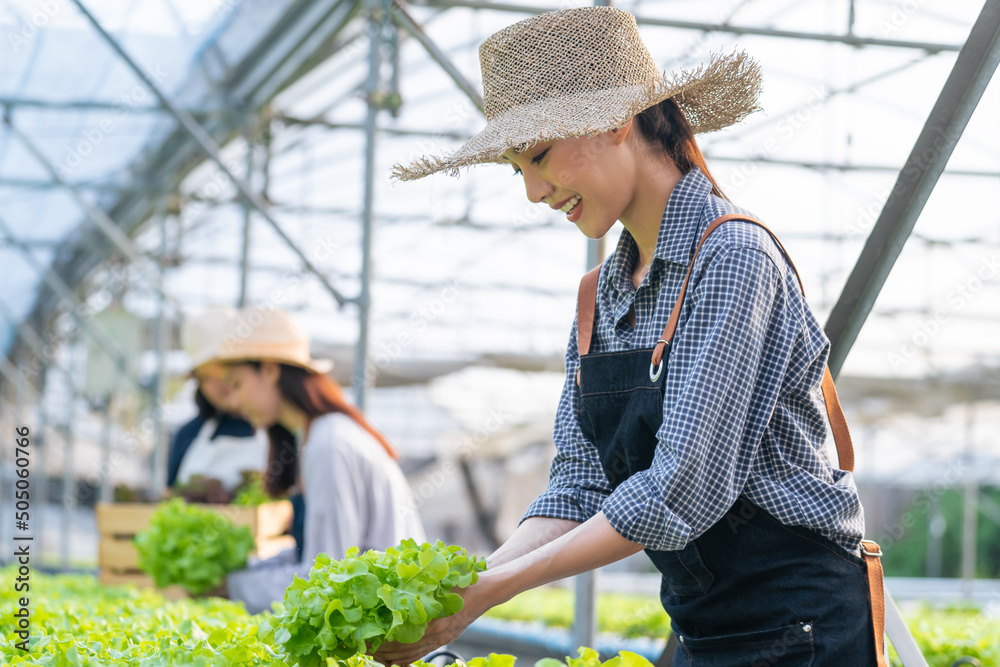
[
  {"x": 680, "y": 639},
  {"x": 807, "y": 628}
]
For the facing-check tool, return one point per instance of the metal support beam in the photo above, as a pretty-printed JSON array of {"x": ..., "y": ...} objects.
[
  {"x": 211, "y": 149},
  {"x": 852, "y": 40},
  {"x": 377, "y": 22},
  {"x": 247, "y": 220},
  {"x": 104, "y": 223},
  {"x": 965, "y": 85},
  {"x": 159, "y": 472},
  {"x": 91, "y": 105},
  {"x": 59, "y": 286},
  {"x": 402, "y": 18}
]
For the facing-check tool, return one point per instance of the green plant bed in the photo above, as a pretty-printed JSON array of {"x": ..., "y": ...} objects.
[
  {"x": 623, "y": 615},
  {"x": 77, "y": 622},
  {"x": 943, "y": 635}
]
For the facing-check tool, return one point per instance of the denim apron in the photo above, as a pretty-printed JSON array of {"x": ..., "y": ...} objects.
[{"x": 751, "y": 591}]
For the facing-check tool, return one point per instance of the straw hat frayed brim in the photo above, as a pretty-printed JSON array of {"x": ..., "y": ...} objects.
[{"x": 712, "y": 96}]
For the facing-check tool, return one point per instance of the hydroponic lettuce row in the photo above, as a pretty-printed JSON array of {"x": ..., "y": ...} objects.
[
  {"x": 76, "y": 621},
  {"x": 191, "y": 546},
  {"x": 367, "y": 599}
]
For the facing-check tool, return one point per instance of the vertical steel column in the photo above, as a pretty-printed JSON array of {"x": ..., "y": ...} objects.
[
  {"x": 247, "y": 217},
  {"x": 376, "y": 21},
  {"x": 68, "y": 478},
  {"x": 105, "y": 494},
  {"x": 159, "y": 472},
  {"x": 585, "y": 584},
  {"x": 39, "y": 477},
  {"x": 970, "y": 510}
]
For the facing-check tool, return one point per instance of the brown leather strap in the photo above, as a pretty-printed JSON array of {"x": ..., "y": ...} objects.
[
  {"x": 668, "y": 331},
  {"x": 586, "y": 303},
  {"x": 873, "y": 564},
  {"x": 838, "y": 423}
]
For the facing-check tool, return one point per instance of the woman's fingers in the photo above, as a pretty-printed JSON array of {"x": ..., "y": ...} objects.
[{"x": 439, "y": 632}]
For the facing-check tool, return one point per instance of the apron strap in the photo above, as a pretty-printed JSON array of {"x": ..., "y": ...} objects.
[
  {"x": 586, "y": 304},
  {"x": 873, "y": 563}
]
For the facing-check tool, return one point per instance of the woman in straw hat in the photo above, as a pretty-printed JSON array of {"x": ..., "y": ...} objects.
[
  {"x": 216, "y": 443},
  {"x": 355, "y": 493},
  {"x": 713, "y": 463}
]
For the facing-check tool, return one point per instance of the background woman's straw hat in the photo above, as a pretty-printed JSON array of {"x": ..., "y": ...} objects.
[
  {"x": 579, "y": 72},
  {"x": 202, "y": 334},
  {"x": 266, "y": 334}
]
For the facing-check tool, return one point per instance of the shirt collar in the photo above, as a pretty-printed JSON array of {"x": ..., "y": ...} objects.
[{"x": 678, "y": 230}]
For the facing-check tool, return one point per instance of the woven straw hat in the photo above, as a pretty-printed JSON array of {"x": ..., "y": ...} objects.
[
  {"x": 579, "y": 72},
  {"x": 202, "y": 334},
  {"x": 267, "y": 334}
]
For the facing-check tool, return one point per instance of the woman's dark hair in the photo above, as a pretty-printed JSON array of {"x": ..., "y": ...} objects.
[
  {"x": 205, "y": 409},
  {"x": 665, "y": 127},
  {"x": 315, "y": 395}
]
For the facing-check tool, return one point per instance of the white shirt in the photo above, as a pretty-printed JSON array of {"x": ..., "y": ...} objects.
[
  {"x": 224, "y": 457},
  {"x": 355, "y": 495}
]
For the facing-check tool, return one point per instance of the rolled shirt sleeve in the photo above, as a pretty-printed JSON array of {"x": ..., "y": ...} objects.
[
  {"x": 732, "y": 353},
  {"x": 577, "y": 484}
]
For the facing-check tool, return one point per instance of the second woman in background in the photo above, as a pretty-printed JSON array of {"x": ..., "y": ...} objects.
[{"x": 355, "y": 493}]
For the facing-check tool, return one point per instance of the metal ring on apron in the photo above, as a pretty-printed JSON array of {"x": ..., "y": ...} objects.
[{"x": 654, "y": 375}]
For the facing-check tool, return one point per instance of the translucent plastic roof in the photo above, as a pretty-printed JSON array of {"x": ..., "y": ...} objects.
[{"x": 89, "y": 114}]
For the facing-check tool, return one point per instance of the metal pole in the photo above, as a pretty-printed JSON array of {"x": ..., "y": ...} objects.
[
  {"x": 211, "y": 149},
  {"x": 68, "y": 477},
  {"x": 971, "y": 505},
  {"x": 360, "y": 379},
  {"x": 59, "y": 286},
  {"x": 247, "y": 217},
  {"x": 965, "y": 85},
  {"x": 159, "y": 472},
  {"x": 106, "y": 494},
  {"x": 40, "y": 481}
]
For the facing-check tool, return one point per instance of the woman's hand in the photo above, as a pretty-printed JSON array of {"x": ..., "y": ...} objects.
[{"x": 440, "y": 631}]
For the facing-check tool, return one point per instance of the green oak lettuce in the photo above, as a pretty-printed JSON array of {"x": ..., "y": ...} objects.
[
  {"x": 349, "y": 606},
  {"x": 191, "y": 546}
]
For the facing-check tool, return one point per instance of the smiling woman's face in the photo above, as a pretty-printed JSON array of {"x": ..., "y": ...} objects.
[{"x": 591, "y": 179}]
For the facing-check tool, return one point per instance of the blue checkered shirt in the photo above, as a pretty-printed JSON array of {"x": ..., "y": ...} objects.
[{"x": 743, "y": 411}]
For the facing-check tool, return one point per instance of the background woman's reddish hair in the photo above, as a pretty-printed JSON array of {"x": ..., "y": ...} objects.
[{"x": 315, "y": 395}]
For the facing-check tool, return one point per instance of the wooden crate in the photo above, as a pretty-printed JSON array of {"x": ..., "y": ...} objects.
[{"x": 118, "y": 524}]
